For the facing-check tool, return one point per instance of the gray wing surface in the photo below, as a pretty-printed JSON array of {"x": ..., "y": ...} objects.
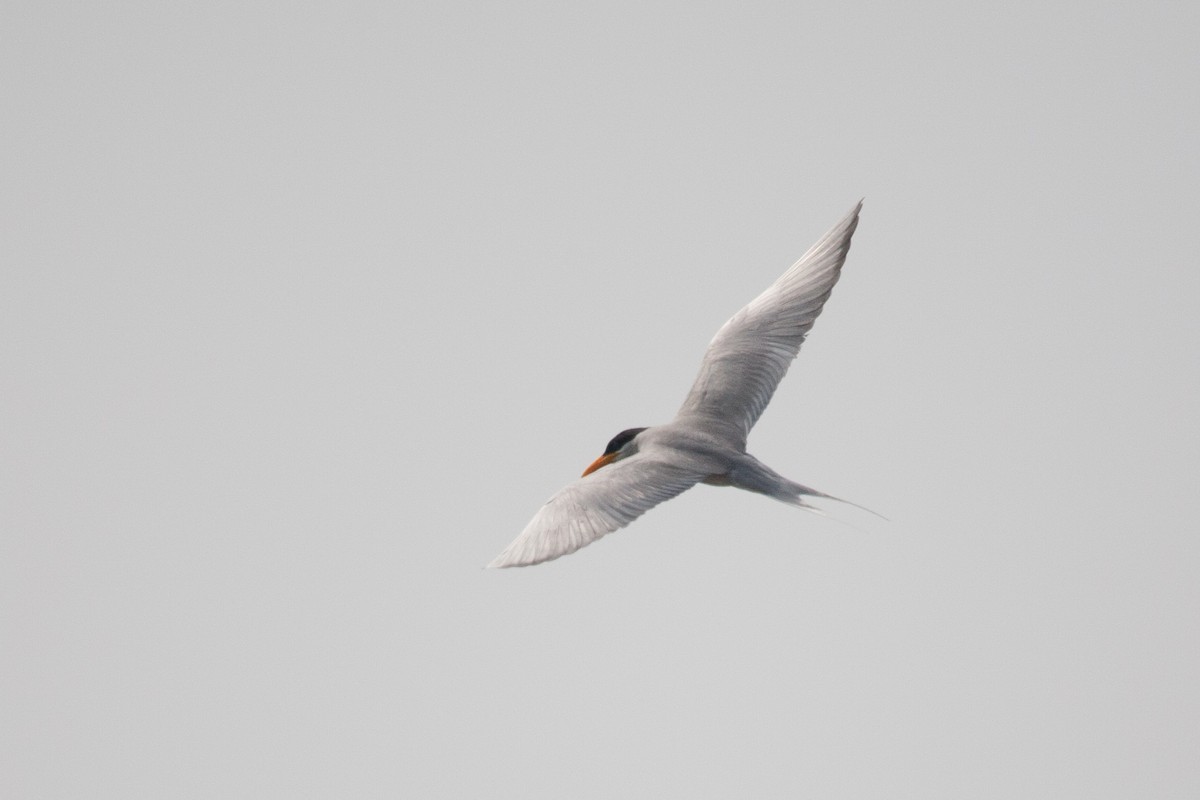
[
  {"x": 751, "y": 353},
  {"x": 605, "y": 501}
]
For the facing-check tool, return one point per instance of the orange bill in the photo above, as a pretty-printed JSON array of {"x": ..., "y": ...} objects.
[{"x": 602, "y": 461}]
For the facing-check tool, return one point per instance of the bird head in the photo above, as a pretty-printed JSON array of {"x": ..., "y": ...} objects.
[{"x": 619, "y": 447}]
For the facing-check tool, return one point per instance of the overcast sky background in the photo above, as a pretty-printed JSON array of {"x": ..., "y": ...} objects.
[{"x": 305, "y": 309}]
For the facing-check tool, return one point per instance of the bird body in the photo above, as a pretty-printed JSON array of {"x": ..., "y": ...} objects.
[{"x": 706, "y": 442}]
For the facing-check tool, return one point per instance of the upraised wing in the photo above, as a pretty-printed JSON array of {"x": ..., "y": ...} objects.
[
  {"x": 605, "y": 501},
  {"x": 751, "y": 353}
]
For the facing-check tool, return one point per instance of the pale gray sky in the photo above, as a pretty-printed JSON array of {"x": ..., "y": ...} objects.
[{"x": 304, "y": 310}]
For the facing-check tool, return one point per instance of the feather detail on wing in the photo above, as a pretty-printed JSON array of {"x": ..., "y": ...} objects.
[
  {"x": 605, "y": 501},
  {"x": 751, "y": 353}
]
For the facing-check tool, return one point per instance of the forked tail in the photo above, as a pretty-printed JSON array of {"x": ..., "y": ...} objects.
[
  {"x": 800, "y": 492},
  {"x": 755, "y": 476}
]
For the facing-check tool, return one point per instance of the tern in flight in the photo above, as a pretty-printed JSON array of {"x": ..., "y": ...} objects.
[{"x": 706, "y": 442}]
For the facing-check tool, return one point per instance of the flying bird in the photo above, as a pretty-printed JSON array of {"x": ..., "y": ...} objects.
[{"x": 706, "y": 442}]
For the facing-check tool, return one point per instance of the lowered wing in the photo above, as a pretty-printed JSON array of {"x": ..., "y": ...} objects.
[{"x": 605, "y": 501}]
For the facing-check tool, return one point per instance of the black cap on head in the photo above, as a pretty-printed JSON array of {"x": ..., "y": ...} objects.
[{"x": 621, "y": 439}]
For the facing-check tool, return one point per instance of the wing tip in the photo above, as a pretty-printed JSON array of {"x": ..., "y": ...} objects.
[
  {"x": 848, "y": 223},
  {"x": 502, "y": 561},
  {"x": 508, "y": 560},
  {"x": 852, "y": 217}
]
